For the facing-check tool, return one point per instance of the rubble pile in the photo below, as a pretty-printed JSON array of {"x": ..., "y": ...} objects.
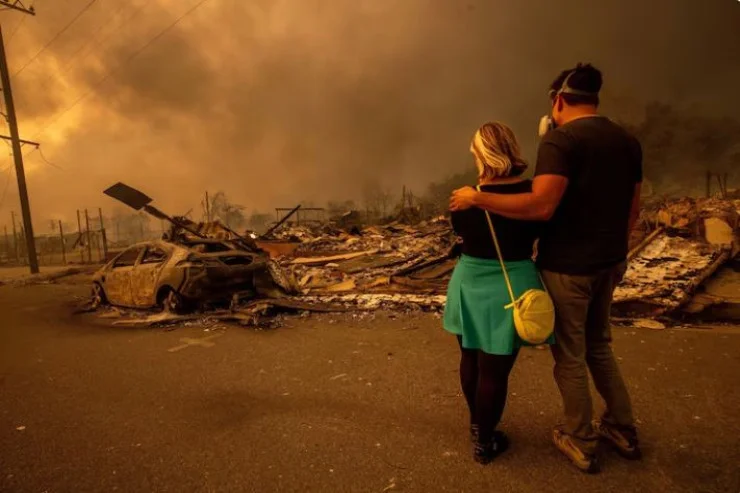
[
  {"x": 301, "y": 233},
  {"x": 389, "y": 265},
  {"x": 381, "y": 262},
  {"x": 183, "y": 230},
  {"x": 666, "y": 272},
  {"x": 698, "y": 217},
  {"x": 691, "y": 242},
  {"x": 683, "y": 261},
  {"x": 685, "y": 244}
]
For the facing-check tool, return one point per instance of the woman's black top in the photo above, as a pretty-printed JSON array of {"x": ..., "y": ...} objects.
[{"x": 515, "y": 237}]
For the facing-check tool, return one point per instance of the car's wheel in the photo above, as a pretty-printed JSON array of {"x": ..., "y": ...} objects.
[
  {"x": 98, "y": 297},
  {"x": 173, "y": 302}
]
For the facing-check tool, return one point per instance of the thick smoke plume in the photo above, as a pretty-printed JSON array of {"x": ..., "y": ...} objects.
[{"x": 282, "y": 101}]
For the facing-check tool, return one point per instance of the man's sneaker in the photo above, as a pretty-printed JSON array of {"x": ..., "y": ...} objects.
[
  {"x": 624, "y": 440},
  {"x": 585, "y": 462}
]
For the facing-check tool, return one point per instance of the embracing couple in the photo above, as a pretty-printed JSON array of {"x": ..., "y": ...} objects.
[{"x": 579, "y": 209}]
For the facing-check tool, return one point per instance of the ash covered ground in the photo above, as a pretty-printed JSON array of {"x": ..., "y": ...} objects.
[{"x": 359, "y": 401}]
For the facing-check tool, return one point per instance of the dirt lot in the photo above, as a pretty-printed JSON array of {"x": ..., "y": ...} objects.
[
  {"x": 22, "y": 272},
  {"x": 327, "y": 403}
]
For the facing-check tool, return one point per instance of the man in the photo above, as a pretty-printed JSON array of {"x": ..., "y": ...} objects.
[{"x": 587, "y": 188}]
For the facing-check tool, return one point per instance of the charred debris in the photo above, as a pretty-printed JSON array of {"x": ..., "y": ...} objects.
[
  {"x": 683, "y": 264},
  {"x": 336, "y": 266}
]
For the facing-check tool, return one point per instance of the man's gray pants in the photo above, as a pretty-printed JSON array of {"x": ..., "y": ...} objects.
[{"x": 582, "y": 344}]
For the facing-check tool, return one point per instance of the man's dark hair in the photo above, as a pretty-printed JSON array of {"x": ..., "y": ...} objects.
[{"x": 584, "y": 77}]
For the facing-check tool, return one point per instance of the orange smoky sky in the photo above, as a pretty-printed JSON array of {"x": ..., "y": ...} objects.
[{"x": 277, "y": 102}]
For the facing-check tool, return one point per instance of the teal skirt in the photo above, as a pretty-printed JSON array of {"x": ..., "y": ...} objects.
[{"x": 476, "y": 297}]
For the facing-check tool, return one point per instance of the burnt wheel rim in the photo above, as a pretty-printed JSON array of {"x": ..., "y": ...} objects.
[
  {"x": 172, "y": 303},
  {"x": 97, "y": 295}
]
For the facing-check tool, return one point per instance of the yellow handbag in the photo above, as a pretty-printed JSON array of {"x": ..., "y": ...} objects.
[{"x": 534, "y": 312}]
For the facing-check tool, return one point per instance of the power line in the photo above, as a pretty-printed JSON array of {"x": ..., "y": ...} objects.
[
  {"x": 120, "y": 66},
  {"x": 46, "y": 161},
  {"x": 9, "y": 170},
  {"x": 17, "y": 26},
  {"x": 43, "y": 159},
  {"x": 91, "y": 39},
  {"x": 56, "y": 36},
  {"x": 24, "y": 156},
  {"x": 5, "y": 188}
]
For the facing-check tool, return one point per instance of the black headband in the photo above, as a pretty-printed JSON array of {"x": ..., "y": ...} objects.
[{"x": 566, "y": 89}]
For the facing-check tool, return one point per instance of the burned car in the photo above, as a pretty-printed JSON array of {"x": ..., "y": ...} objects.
[{"x": 179, "y": 276}]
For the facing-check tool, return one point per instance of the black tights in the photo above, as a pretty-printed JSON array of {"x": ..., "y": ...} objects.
[{"x": 485, "y": 380}]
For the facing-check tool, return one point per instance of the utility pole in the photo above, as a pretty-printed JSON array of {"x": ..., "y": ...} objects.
[
  {"x": 22, "y": 141},
  {"x": 208, "y": 209},
  {"x": 709, "y": 184},
  {"x": 15, "y": 239},
  {"x": 33, "y": 262},
  {"x": 97, "y": 246},
  {"x": 20, "y": 246},
  {"x": 79, "y": 238},
  {"x": 103, "y": 235},
  {"x": 722, "y": 180},
  {"x": 87, "y": 237},
  {"x": 61, "y": 237}
]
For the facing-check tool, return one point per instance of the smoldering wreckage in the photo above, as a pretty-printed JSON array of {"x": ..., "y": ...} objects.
[{"x": 684, "y": 264}]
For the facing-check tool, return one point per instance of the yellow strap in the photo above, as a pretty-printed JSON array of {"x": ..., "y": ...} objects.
[
  {"x": 501, "y": 260},
  {"x": 500, "y": 256}
]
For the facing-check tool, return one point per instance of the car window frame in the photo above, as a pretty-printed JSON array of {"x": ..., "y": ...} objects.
[
  {"x": 140, "y": 260},
  {"x": 136, "y": 260}
]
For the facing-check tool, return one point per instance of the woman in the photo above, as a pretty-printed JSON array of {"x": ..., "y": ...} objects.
[{"x": 477, "y": 293}]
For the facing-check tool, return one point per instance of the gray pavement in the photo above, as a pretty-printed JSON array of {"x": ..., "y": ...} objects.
[{"x": 328, "y": 403}]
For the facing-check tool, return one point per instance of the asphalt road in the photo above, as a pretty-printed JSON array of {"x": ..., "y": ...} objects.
[{"x": 328, "y": 403}]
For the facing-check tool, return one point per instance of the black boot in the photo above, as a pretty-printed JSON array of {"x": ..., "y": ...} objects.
[
  {"x": 484, "y": 453},
  {"x": 473, "y": 433}
]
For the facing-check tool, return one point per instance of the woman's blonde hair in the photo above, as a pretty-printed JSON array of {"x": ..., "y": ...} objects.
[{"x": 496, "y": 151}]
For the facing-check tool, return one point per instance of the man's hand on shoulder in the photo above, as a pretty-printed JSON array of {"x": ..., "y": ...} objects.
[{"x": 463, "y": 198}]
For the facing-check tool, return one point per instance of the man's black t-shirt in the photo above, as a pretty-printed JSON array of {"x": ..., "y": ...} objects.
[
  {"x": 516, "y": 238},
  {"x": 603, "y": 163}
]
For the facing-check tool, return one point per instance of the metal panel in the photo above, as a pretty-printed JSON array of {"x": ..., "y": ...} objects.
[{"x": 129, "y": 196}]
